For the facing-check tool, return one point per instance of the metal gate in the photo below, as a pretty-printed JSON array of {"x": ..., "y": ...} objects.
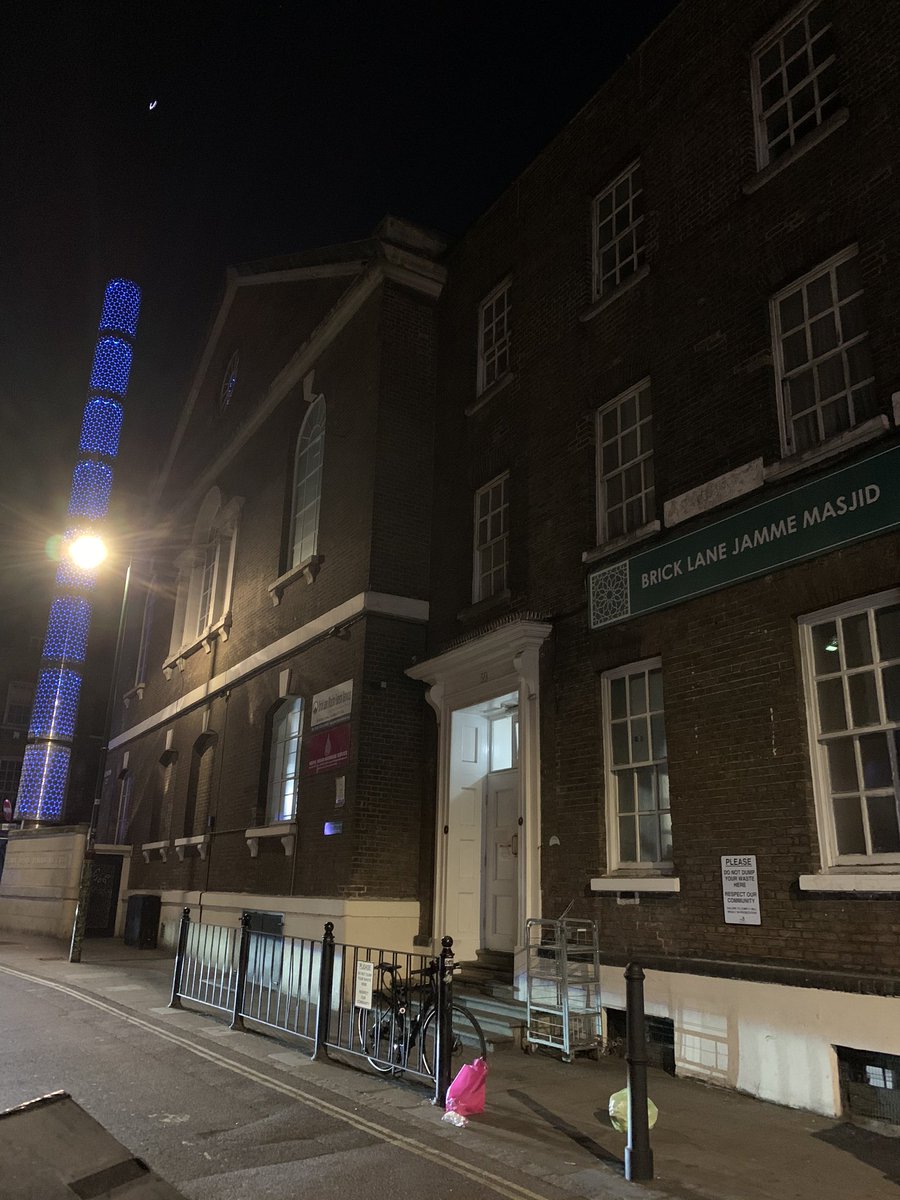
[{"x": 106, "y": 873}]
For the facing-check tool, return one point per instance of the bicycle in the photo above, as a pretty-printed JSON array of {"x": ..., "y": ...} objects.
[{"x": 390, "y": 1030}]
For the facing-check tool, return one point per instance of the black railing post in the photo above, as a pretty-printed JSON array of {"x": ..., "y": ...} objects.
[
  {"x": 326, "y": 979},
  {"x": 638, "y": 1155},
  {"x": 444, "y": 1050},
  {"x": 243, "y": 960},
  {"x": 183, "y": 928}
]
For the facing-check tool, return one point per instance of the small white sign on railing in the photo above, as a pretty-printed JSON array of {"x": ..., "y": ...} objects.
[{"x": 365, "y": 978}]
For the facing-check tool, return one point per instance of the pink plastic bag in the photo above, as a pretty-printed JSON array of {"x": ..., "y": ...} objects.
[{"x": 465, "y": 1095}]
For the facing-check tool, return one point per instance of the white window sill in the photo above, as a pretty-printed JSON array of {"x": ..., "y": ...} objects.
[
  {"x": 221, "y": 629},
  {"x": 308, "y": 570},
  {"x": 826, "y": 882},
  {"x": 136, "y": 693},
  {"x": 200, "y": 843},
  {"x": 148, "y": 849},
  {"x": 868, "y": 431},
  {"x": 620, "y": 543},
  {"x": 489, "y": 393},
  {"x": 762, "y": 177},
  {"x": 636, "y": 883},
  {"x": 285, "y": 830},
  {"x": 598, "y": 306}
]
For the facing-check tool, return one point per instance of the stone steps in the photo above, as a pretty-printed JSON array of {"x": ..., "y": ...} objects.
[{"x": 501, "y": 1018}]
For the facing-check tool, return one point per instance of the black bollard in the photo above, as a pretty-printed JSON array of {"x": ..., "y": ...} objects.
[
  {"x": 237, "y": 1021},
  {"x": 444, "y": 1051},
  {"x": 326, "y": 979},
  {"x": 175, "y": 1002},
  {"x": 638, "y": 1155}
]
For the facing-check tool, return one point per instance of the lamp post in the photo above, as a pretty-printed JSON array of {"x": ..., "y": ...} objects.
[{"x": 87, "y": 863}]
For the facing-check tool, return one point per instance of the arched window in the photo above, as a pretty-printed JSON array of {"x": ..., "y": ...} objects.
[
  {"x": 200, "y": 780},
  {"x": 284, "y": 761},
  {"x": 308, "y": 484},
  {"x": 123, "y": 816},
  {"x": 165, "y": 789},
  {"x": 203, "y": 599}
]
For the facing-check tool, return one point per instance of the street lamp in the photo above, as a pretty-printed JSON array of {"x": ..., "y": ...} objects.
[
  {"x": 90, "y": 548},
  {"x": 87, "y": 551}
]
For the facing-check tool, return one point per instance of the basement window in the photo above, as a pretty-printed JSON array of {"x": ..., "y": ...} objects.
[
  {"x": 660, "y": 1038},
  {"x": 870, "y": 1084}
]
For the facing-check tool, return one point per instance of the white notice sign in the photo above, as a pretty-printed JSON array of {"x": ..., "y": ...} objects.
[
  {"x": 333, "y": 704},
  {"x": 740, "y": 889},
  {"x": 365, "y": 975}
]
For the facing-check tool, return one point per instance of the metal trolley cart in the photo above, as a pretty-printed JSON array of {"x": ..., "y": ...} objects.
[{"x": 563, "y": 968}]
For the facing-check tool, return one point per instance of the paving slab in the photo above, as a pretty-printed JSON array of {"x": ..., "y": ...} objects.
[{"x": 546, "y": 1118}]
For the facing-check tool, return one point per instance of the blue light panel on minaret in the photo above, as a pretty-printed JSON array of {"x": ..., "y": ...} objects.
[
  {"x": 55, "y": 704},
  {"x": 91, "y": 486},
  {"x": 45, "y": 773},
  {"x": 112, "y": 366},
  {"x": 70, "y": 576},
  {"x": 42, "y": 788},
  {"x": 67, "y": 629},
  {"x": 101, "y": 427},
  {"x": 121, "y": 306}
]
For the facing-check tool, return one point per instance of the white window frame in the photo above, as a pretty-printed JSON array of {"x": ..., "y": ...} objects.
[
  {"x": 501, "y": 484},
  {"x": 641, "y": 459},
  {"x": 629, "y": 238},
  {"x": 828, "y": 846},
  {"x": 511, "y": 715},
  {"x": 206, "y": 577},
  {"x": 123, "y": 811},
  {"x": 614, "y": 857},
  {"x": 283, "y": 782},
  {"x": 306, "y": 494},
  {"x": 814, "y": 362},
  {"x": 494, "y": 337},
  {"x": 140, "y": 666},
  {"x": 829, "y": 101}
]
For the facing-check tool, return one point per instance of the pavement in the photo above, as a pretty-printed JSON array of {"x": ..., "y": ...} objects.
[{"x": 543, "y": 1117}]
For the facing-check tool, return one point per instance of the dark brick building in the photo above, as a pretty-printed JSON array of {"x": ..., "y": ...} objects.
[
  {"x": 617, "y": 477},
  {"x": 288, "y": 594}
]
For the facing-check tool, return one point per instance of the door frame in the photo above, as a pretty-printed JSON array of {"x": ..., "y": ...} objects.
[
  {"x": 496, "y": 776},
  {"x": 501, "y": 661}
]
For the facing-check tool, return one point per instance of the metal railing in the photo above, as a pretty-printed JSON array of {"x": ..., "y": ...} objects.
[
  {"x": 206, "y": 964},
  {"x": 279, "y": 983}
]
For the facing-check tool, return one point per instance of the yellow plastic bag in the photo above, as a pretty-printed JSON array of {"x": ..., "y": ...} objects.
[{"x": 618, "y": 1111}]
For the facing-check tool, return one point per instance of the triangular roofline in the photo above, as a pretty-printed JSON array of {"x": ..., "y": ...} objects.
[{"x": 399, "y": 251}]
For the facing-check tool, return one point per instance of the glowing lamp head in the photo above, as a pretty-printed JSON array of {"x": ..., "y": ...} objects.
[{"x": 87, "y": 551}]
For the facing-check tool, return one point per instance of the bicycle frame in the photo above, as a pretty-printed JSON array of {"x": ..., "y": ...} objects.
[{"x": 400, "y": 996}]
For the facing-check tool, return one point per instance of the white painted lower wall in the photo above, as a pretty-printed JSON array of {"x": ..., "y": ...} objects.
[
  {"x": 386, "y": 924},
  {"x": 768, "y": 1040},
  {"x": 41, "y": 875}
]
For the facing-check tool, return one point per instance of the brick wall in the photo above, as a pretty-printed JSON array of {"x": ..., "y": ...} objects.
[{"x": 698, "y": 325}]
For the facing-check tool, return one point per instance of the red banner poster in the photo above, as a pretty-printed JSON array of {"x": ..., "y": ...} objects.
[{"x": 328, "y": 750}]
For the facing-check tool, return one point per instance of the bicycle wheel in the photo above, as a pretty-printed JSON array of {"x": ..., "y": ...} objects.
[
  {"x": 468, "y": 1040},
  {"x": 380, "y": 1033}
]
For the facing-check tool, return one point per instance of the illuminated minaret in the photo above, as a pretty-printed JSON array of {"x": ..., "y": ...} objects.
[{"x": 45, "y": 769}]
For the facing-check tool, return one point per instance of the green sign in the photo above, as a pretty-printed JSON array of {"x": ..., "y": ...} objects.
[{"x": 854, "y": 502}]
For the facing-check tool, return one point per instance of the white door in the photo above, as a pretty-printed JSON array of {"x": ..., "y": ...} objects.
[
  {"x": 501, "y": 875},
  {"x": 468, "y": 755}
]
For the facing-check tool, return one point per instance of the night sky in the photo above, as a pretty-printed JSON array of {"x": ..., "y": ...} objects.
[{"x": 277, "y": 127}]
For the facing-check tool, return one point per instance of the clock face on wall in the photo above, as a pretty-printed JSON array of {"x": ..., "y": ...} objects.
[{"x": 229, "y": 381}]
